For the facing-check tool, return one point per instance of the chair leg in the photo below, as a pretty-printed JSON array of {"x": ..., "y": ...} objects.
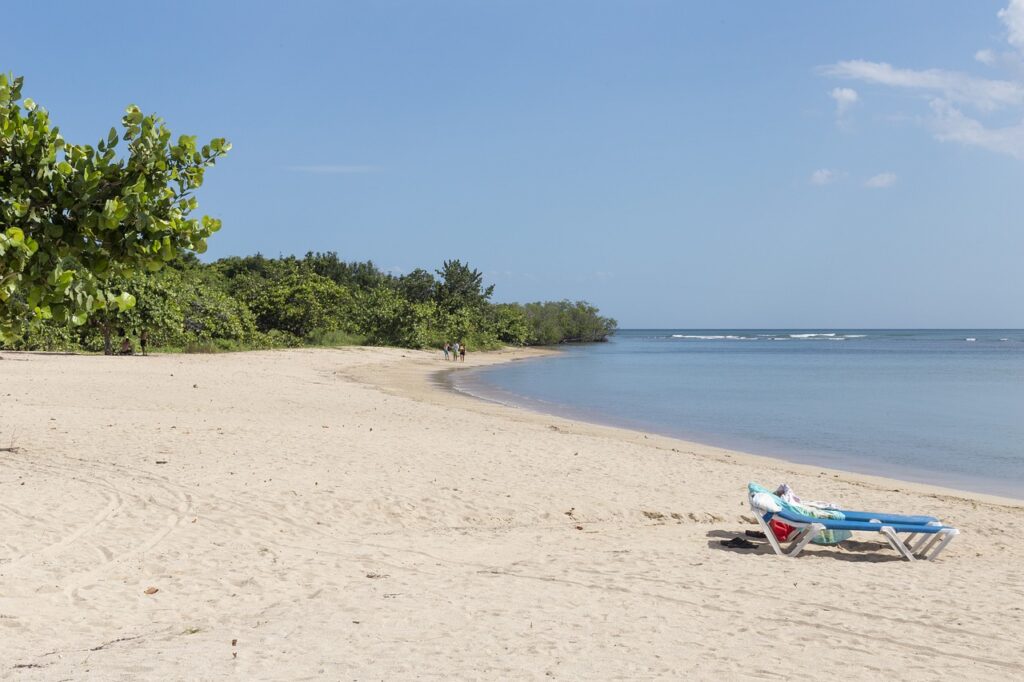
[
  {"x": 766, "y": 529},
  {"x": 806, "y": 536},
  {"x": 949, "y": 535},
  {"x": 891, "y": 536},
  {"x": 927, "y": 547},
  {"x": 924, "y": 543},
  {"x": 918, "y": 544}
]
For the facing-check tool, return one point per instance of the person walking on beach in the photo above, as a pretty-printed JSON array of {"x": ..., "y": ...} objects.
[
  {"x": 455, "y": 351},
  {"x": 144, "y": 340},
  {"x": 446, "y": 349},
  {"x": 462, "y": 352}
]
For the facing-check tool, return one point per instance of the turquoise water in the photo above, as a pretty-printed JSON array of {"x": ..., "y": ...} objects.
[{"x": 935, "y": 406}]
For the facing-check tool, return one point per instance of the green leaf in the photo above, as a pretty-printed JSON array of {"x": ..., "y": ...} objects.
[
  {"x": 127, "y": 213},
  {"x": 124, "y": 301},
  {"x": 168, "y": 252}
]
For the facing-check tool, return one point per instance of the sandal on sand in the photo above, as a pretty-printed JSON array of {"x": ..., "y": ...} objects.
[
  {"x": 739, "y": 543},
  {"x": 755, "y": 534}
]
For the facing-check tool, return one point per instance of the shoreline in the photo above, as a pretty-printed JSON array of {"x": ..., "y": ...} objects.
[
  {"x": 440, "y": 379},
  {"x": 444, "y": 382},
  {"x": 336, "y": 513}
]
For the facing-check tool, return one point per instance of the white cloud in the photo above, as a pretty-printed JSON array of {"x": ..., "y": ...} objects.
[
  {"x": 845, "y": 98},
  {"x": 951, "y": 124},
  {"x": 336, "y": 169},
  {"x": 1013, "y": 17},
  {"x": 987, "y": 57},
  {"x": 982, "y": 93},
  {"x": 950, "y": 93},
  {"x": 823, "y": 176},
  {"x": 881, "y": 181}
]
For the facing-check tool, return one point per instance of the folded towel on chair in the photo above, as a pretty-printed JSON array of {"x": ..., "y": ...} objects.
[{"x": 765, "y": 497}]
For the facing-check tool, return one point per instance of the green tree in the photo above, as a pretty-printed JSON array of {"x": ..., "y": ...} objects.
[
  {"x": 566, "y": 322},
  {"x": 386, "y": 318},
  {"x": 418, "y": 286},
  {"x": 179, "y": 309},
  {"x": 76, "y": 218},
  {"x": 509, "y": 324},
  {"x": 365, "y": 276},
  {"x": 461, "y": 287},
  {"x": 299, "y": 303}
]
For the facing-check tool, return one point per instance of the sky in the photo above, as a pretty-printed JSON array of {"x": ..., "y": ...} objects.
[{"x": 677, "y": 164}]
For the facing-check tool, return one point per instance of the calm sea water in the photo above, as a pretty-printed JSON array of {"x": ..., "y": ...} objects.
[{"x": 936, "y": 406}]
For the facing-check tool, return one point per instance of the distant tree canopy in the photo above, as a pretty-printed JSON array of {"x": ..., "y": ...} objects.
[
  {"x": 565, "y": 322},
  {"x": 259, "y": 302},
  {"x": 93, "y": 240},
  {"x": 461, "y": 287},
  {"x": 419, "y": 286},
  {"x": 78, "y": 222}
]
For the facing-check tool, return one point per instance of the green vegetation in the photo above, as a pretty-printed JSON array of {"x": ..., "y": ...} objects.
[
  {"x": 77, "y": 221},
  {"x": 318, "y": 300},
  {"x": 95, "y": 243}
]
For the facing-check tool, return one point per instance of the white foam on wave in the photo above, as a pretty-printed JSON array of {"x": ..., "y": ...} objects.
[
  {"x": 815, "y": 336},
  {"x": 970, "y": 338},
  {"x": 699, "y": 337}
]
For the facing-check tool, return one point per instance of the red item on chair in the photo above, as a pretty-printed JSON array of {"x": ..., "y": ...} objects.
[{"x": 781, "y": 530}]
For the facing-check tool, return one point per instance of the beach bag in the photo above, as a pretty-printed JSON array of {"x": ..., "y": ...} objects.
[{"x": 781, "y": 530}]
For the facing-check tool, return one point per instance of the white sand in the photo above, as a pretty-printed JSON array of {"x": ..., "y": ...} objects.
[{"x": 343, "y": 518}]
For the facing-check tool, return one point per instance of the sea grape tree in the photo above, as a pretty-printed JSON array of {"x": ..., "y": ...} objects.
[{"x": 76, "y": 218}]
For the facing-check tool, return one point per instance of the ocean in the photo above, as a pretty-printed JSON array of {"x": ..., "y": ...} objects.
[{"x": 934, "y": 406}]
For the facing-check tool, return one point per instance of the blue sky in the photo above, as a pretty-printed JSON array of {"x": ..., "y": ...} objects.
[{"x": 686, "y": 164}]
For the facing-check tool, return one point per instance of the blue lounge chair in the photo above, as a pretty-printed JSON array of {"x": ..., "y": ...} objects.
[{"x": 926, "y": 536}]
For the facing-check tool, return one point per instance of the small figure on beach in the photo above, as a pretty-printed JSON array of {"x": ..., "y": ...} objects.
[
  {"x": 455, "y": 352},
  {"x": 144, "y": 340},
  {"x": 447, "y": 349},
  {"x": 126, "y": 346},
  {"x": 462, "y": 352}
]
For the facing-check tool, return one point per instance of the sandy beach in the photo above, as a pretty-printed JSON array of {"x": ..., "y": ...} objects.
[{"x": 337, "y": 514}]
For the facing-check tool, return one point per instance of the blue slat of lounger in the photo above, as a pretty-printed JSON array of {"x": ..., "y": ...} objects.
[
  {"x": 835, "y": 524},
  {"x": 887, "y": 518}
]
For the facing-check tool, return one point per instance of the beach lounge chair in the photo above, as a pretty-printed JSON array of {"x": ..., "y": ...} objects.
[{"x": 926, "y": 536}]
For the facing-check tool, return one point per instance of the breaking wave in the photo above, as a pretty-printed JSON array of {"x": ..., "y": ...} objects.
[{"x": 807, "y": 336}]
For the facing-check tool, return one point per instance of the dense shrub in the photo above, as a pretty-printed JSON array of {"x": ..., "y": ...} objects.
[
  {"x": 565, "y": 321},
  {"x": 257, "y": 302}
]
